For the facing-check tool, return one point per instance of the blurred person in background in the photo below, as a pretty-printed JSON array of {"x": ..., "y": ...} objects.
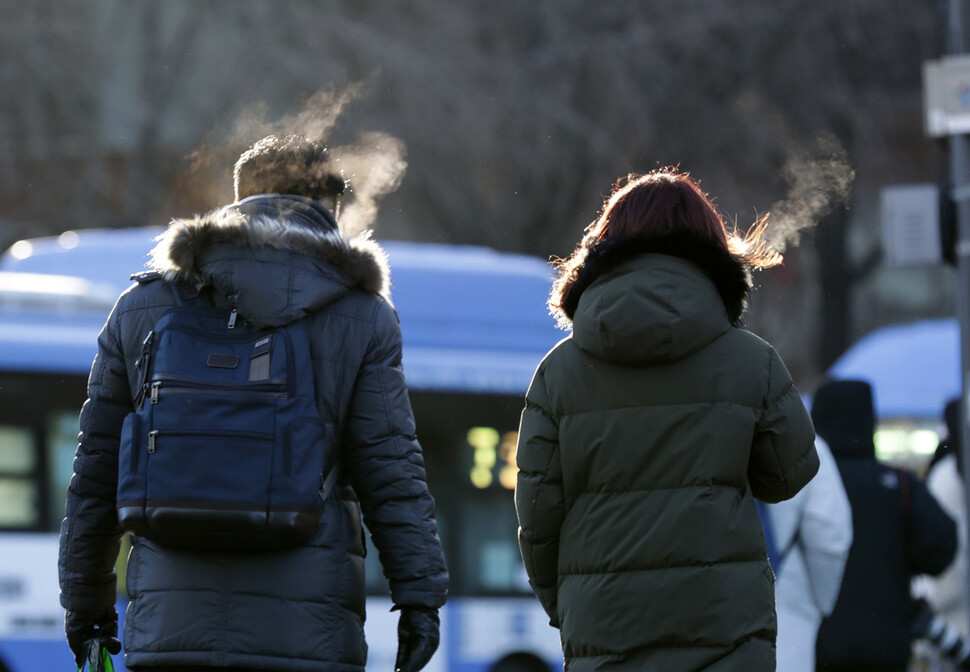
[
  {"x": 646, "y": 436},
  {"x": 813, "y": 534},
  {"x": 277, "y": 255},
  {"x": 947, "y": 593},
  {"x": 899, "y": 531}
]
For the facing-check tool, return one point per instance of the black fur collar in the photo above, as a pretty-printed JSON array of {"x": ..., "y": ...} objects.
[{"x": 730, "y": 276}]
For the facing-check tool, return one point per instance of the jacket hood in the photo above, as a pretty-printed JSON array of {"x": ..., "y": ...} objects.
[
  {"x": 844, "y": 417},
  {"x": 648, "y": 301},
  {"x": 275, "y": 257}
]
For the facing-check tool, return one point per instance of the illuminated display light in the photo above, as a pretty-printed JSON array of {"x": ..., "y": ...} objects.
[
  {"x": 485, "y": 442},
  {"x": 890, "y": 443},
  {"x": 908, "y": 443},
  {"x": 481, "y": 477},
  {"x": 506, "y": 452},
  {"x": 483, "y": 438},
  {"x": 507, "y": 476},
  {"x": 492, "y": 449},
  {"x": 485, "y": 458},
  {"x": 923, "y": 442}
]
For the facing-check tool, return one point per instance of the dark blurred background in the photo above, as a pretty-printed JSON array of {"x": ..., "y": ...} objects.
[{"x": 513, "y": 118}]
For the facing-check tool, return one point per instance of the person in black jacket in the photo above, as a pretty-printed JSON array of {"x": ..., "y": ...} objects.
[
  {"x": 277, "y": 255},
  {"x": 900, "y": 531}
]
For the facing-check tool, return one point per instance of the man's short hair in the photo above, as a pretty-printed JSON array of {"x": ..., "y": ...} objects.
[{"x": 287, "y": 164}]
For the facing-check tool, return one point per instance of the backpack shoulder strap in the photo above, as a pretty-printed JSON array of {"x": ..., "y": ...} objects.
[{"x": 144, "y": 362}]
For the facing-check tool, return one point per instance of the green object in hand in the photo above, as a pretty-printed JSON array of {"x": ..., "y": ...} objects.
[{"x": 98, "y": 658}]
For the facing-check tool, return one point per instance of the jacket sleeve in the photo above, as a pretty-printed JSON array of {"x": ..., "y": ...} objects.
[
  {"x": 539, "y": 501},
  {"x": 825, "y": 532},
  {"x": 931, "y": 535},
  {"x": 386, "y": 468},
  {"x": 783, "y": 457},
  {"x": 90, "y": 536}
]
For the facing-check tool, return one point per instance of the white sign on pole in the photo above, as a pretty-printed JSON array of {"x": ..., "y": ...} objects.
[
  {"x": 946, "y": 96},
  {"x": 911, "y": 225}
]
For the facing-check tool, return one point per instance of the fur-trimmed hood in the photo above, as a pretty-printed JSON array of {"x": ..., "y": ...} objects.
[
  {"x": 275, "y": 257},
  {"x": 649, "y": 300}
]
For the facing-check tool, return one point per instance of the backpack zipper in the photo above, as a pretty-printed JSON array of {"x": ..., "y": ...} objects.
[
  {"x": 175, "y": 386},
  {"x": 154, "y": 434}
]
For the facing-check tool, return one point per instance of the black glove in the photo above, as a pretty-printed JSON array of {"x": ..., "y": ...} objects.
[
  {"x": 80, "y": 634},
  {"x": 417, "y": 637}
]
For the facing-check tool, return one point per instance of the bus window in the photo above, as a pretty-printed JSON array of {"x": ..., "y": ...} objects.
[
  {"x": 488, "y": 548},
  {"x": 468, "y": 441},
  {"x": 62, "y": 431},
  {"x": 38, "y": 436},
  {"x": 19, "y": 491},
  {"x": 469, "y": 452}
]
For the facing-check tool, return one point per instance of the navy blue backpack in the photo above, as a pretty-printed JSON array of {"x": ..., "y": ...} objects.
[{"x": 225, "y": 449}]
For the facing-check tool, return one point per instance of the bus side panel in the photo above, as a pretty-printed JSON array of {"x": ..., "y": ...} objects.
[
  {"x": 31, "y": 617},
  {"x": 29, "y": 655}
]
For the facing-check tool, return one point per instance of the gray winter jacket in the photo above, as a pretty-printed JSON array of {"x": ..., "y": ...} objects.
[{"x": 276, "y": 259}]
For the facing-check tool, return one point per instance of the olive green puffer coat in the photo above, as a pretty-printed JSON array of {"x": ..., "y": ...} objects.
[{"x": 645, "y": 437}]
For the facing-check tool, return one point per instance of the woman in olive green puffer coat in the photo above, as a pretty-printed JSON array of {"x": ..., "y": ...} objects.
[{"x": 647, "y": 435}]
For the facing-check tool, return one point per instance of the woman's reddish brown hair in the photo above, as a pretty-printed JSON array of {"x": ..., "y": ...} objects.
[{"x": 660, "y": 203}]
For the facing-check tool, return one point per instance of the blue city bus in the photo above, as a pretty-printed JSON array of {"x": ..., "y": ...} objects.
[{"x": 475, "y": 327}]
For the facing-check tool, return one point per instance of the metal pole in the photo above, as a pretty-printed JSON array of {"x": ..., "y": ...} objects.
[
  {"x": 960, "y": 176},
  {"x": 960, "y": 171}
]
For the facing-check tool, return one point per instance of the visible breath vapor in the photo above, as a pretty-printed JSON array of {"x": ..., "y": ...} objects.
[
  {"x": 818, "y": 178},
  {"x": 374, "y": 164}
]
